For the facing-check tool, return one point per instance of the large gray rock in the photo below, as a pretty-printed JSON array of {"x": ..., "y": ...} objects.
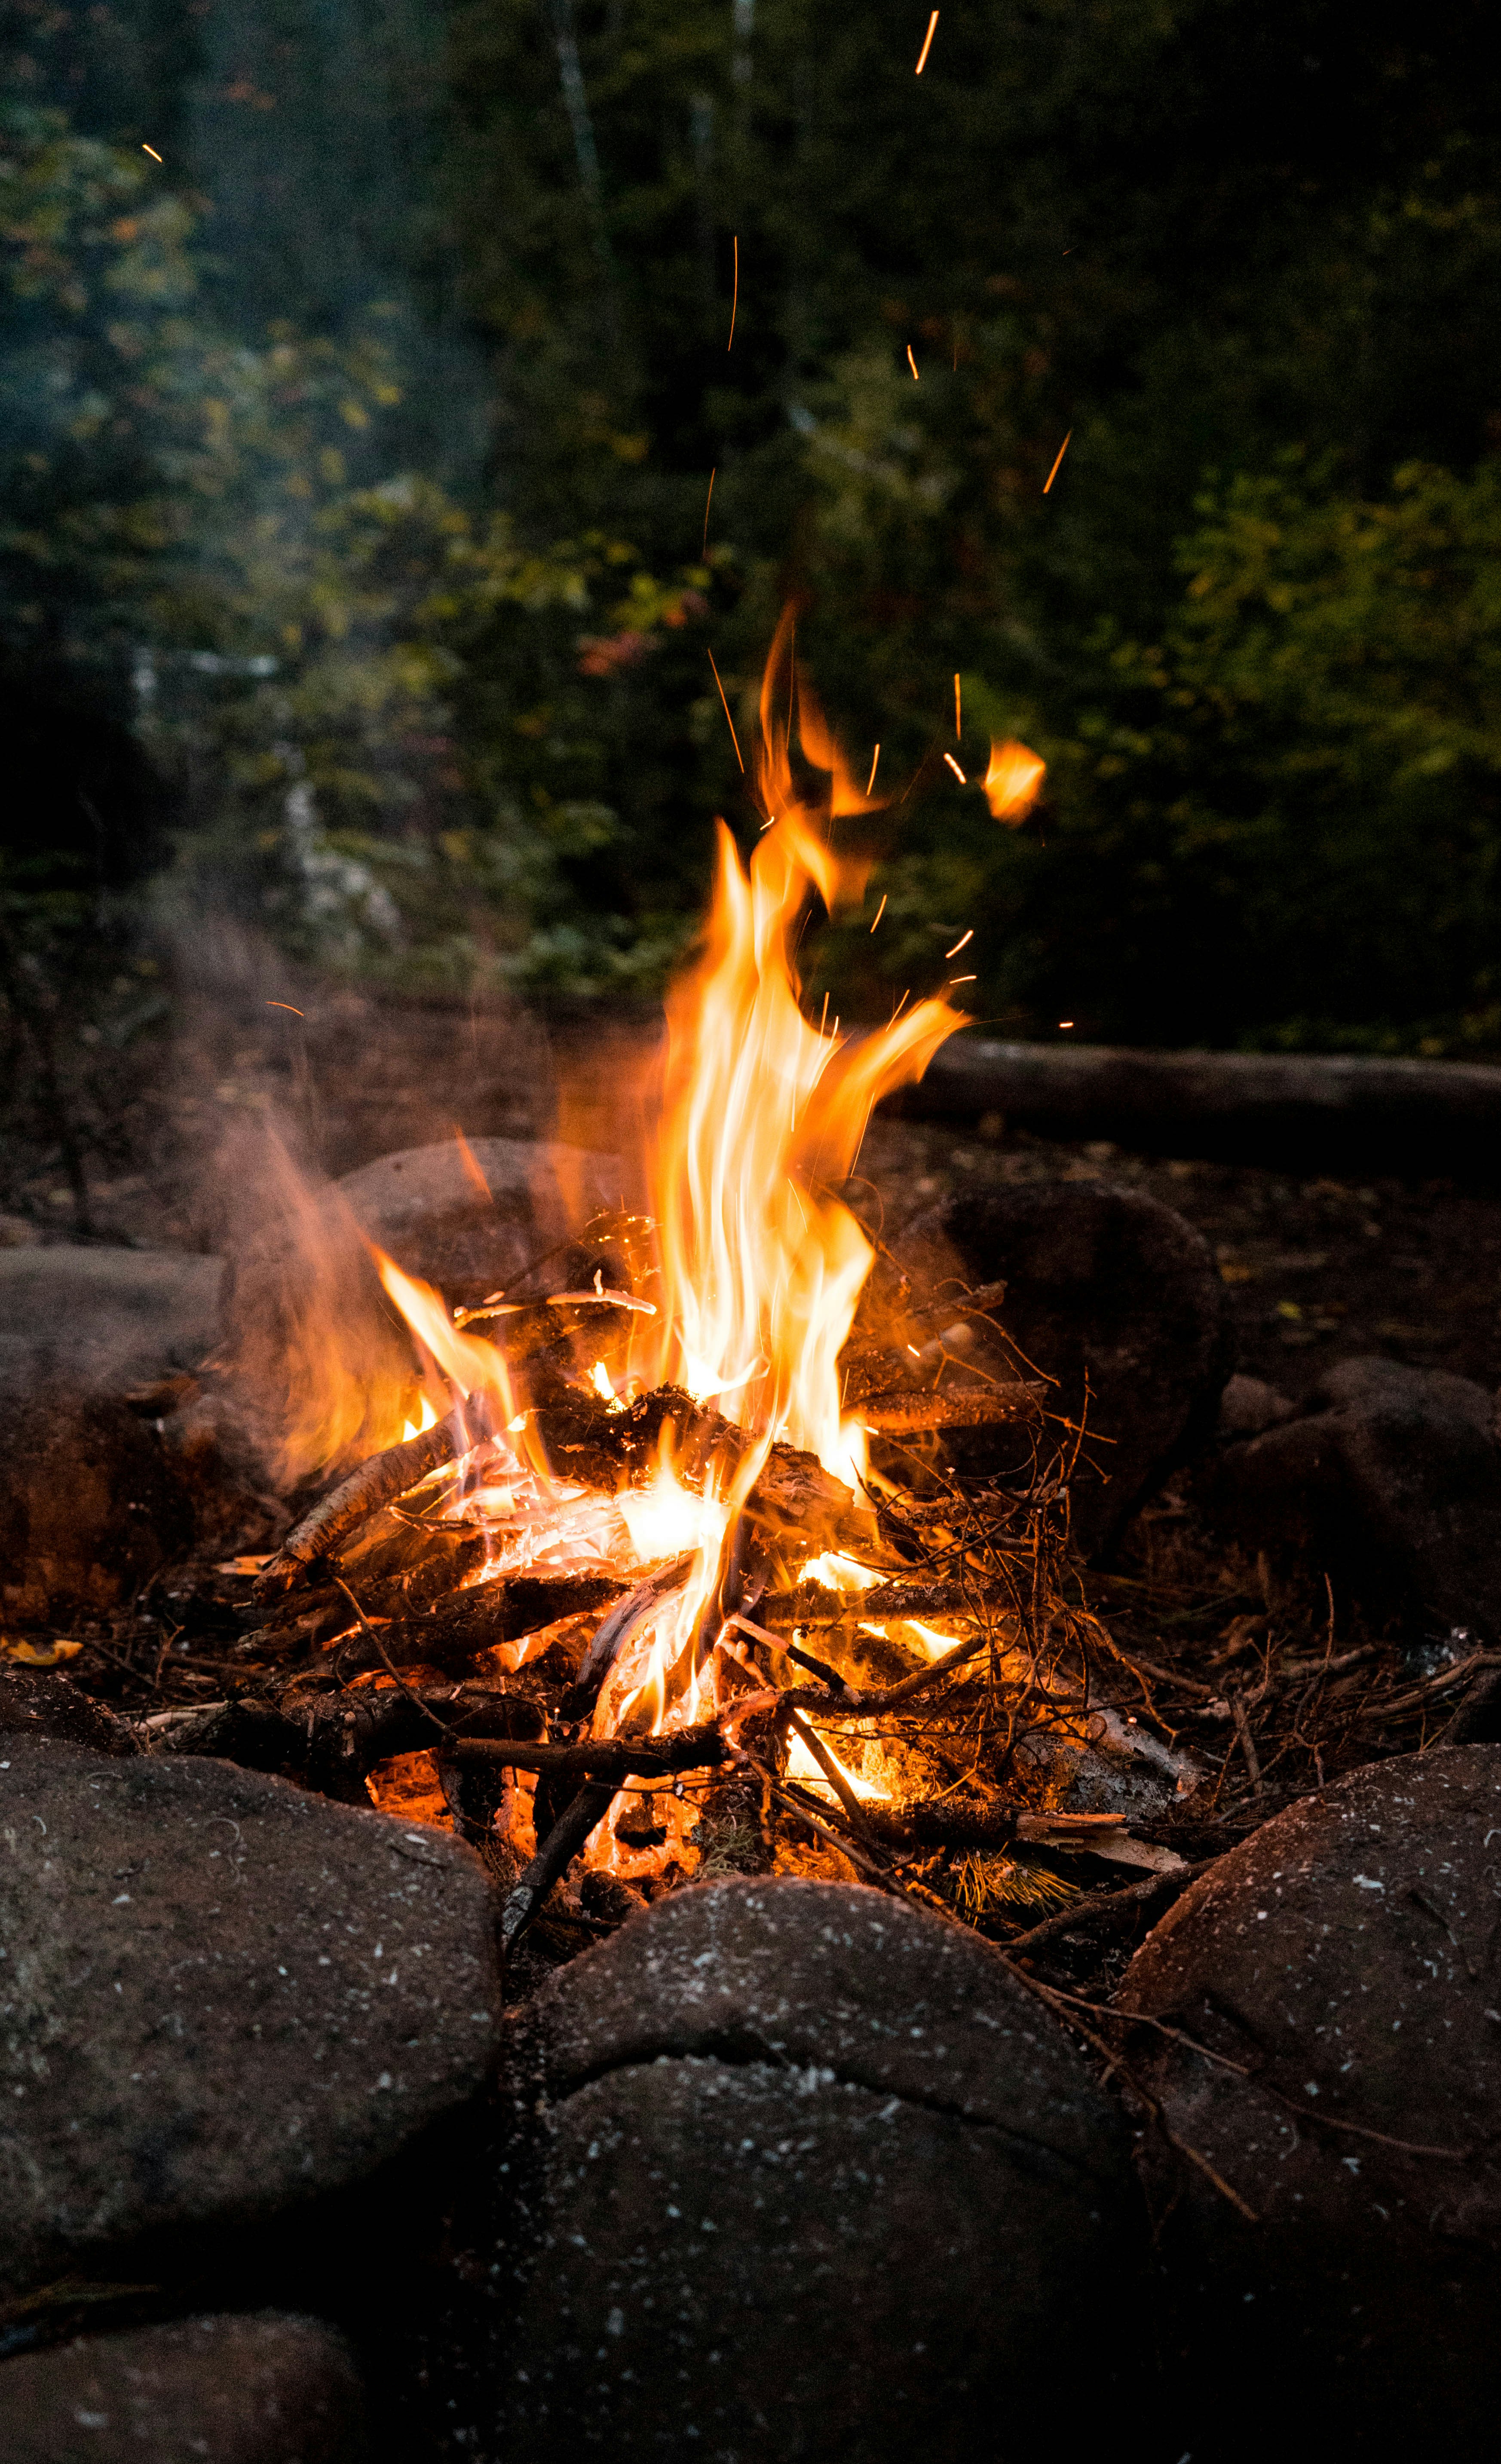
[
  {"x": 1116, "y": 1298},
  {"x": 426, "y": 1208},
  {"x": 1390, "y": 1479},
  {"x": 218, "y": 1996},
  {"x": 106, "y": 1322},
  {"x": 265, "y": 2389},
  {"x": 1345, "y": 1958},
  {"x": 798, "y": 2171}
]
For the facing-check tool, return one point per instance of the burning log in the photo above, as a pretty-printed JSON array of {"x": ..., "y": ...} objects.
[
  {"x": 563, "y": 1843},
  {"x": 956, "y": 1407},
  {"x": 377, "y": 1482},
  {"x": 814, "y": 1604},
  {"x": 616, "y": 1631},
  {"x": 616, "y": 1759}
]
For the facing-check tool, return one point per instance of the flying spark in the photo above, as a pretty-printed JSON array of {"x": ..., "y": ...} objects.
[
  {"x": 912, "y": 364},
  {"x": 927, "y": 43},
  {"x": 881, "y": 909},
  {"x": 871, "y": 782},
  {"x": 707, "y": 503},
  {"x": 728, "y": 720},
  {"x": 959, "y": 945},
  {"x": 961, "y": 980},
  {"x": 1066, "y": 1022},
  {"x": 734, "y": 306},
  {"x": 958, "y": 710},
  {"x": 1053, "y": 472},
  {"x": 957, "y": 772},
  {"x": 291, "y": 1005},
  {"x": 151, "y": 150}
]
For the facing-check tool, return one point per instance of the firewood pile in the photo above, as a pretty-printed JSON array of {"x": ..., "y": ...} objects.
[{"x": 866, "y": 1673}]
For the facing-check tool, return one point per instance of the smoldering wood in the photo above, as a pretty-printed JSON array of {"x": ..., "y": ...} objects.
[
  {"x": 469, "y": 1622},
  {"x": 954, "y": 1407}
]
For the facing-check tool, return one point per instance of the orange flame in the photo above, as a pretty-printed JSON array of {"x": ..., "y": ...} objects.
[
  {"x": 761, "y": 1266},
  {"x": 1014, "y": 779}
]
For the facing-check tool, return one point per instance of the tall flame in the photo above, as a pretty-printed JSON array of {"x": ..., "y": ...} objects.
[{"x": 762, "y": 1113}]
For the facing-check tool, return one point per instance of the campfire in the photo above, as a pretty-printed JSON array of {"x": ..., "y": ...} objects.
[{"x": 671, "y": 1572}]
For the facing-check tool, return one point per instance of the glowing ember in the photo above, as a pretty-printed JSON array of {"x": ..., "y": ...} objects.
[{"x": 1013, "y": 782}]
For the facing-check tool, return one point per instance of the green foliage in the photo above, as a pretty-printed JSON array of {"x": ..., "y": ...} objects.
[
  {"x": 445, "y": 728},
  {"x": 1305, "y": 773}
]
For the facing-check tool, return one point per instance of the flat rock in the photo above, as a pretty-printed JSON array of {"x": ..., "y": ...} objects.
[
  {"x": 218, "y": 1998},
  {"x": 269, "y": 2388},
  {"x": 1391, "y": 1479},
  {"x": 94, "y": 1321},
  {"x": 1116, "y": 1297},
  {"x": 799, "y": 2170},
  {"x": 1348, "y": 1957}
]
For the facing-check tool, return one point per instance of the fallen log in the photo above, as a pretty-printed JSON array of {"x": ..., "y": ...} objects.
[{"x": 1326, "y": 1111}]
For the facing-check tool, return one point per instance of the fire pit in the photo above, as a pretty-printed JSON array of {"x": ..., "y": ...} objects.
[{"x": 669, "y": 1575}]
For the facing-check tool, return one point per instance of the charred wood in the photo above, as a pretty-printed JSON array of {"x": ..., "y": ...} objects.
[
  {"x": 615, "y": 1759},
  {"x": 553, "y": 1857},
  {"x": 384, "y": 1477},
  {"x": 332, "y": 1742}
]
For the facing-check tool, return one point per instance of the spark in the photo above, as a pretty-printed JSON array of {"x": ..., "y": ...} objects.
[
  {"x": 957, "y": 772},
  {"x": 927, "y": 43},
  {"x": 958, "y": 710},
  {"x": 912, "y": 364},
  {"x": 824, "y": 1021},
  {"x": 151, "y": 150},
  {"x": 1066, "y": 1022},
  {"x": 734, "y": 304},
  {"x": 881, "y": 909},
  {"x": 874, "y": 759},
  {"x": 291, "y": 1005},
  {"x": 959, "y": 945},
  {"x": 1053, "y": 472},
  {"x": 728, "y": 720},
  {"x": 901, "y": 1005},
  {"x": 963, "y": 979},
  {"x": 707, "y": 503}
]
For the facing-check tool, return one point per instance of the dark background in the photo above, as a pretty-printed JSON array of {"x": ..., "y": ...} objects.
[{"x": 353, "y": 467}]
